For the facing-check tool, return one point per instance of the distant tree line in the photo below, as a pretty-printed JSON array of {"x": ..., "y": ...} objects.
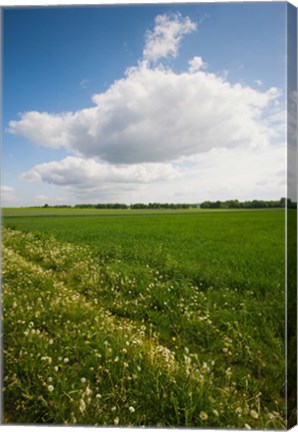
[
  {"x": 162, "y": 206},
  {"x": 103, "y": 206},
  {"x": 137, "y": 206},
  {"x": 229, "y": 204},
  {"x": 234, "y": 204}
]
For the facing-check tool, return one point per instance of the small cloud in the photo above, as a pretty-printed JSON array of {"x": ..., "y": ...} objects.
[
  {"x": 164, "y": 40},
  {"x": 30, "y": 176},
  {"x": 83, "y": 83},
  {"x": 7, "y": 189},
  {"x": 204, "y": 17},
  {"x": 41, "y": 198},
  {"x": 258, "y": 82},
  {"x": 224, "y": 74},
  {"x": 196, "y": 63},
  {"x": 7, "y": 194}
]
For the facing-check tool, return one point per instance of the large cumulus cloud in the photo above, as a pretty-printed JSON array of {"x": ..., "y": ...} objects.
[
  {"x": 156, "y": 115},
  {"x": 142, "y": 129}
]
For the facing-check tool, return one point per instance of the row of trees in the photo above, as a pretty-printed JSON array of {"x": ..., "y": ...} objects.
[
  {"x": 229, "y": 204},
  {"x": 137, "y": 206},
  {"x": 248, "y": 204},
  {"x": 103, "y": 206},
  {"x": 162, "y": 206}
]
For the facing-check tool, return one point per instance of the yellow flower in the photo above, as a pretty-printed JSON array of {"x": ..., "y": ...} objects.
[{"x": 203, "y": 415}]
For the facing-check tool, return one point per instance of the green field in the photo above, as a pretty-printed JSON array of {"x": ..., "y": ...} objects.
[{"x": 156, "y": 318}]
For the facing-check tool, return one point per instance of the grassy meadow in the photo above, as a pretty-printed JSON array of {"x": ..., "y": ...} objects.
[{"x": 155, "y": 318}]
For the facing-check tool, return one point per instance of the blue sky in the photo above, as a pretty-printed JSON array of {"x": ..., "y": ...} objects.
[{"x": 201, "y": 115}]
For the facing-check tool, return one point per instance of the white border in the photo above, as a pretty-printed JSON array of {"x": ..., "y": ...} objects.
[
  {"x": 43, "y": 3},
  {"x": 10, "y": 3}
]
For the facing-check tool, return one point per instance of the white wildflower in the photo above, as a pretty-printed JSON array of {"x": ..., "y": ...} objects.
[
  {"x": 82, "y": 405},
  {"x": 254, "y": 414},
  {"x": 88, "y": 391}
]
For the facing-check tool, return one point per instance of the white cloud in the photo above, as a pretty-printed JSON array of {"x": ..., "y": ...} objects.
[
  {"x": 83, "y": 83},
  {"x": 88, "y": 173},
  {"x": 41, "y": 198},
  {"x": 258, "y": 82},
  {"x": 217, "y": 174},
  {"x": 5, "y": 189},
  {"x": 246, "y": 173},
  {"x": 160, "y": 135},
  {"x": 223, "y": 174},
  {"x": 196, "y": 63},
  {"x": 54, "y": 130},
  {"x": 7, "y": 194},
  {"x": 165, "y": 39},
  {"x": 156, "y": 115}
]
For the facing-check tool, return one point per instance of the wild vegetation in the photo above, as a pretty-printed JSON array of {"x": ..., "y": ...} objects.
[{"x": 144, "y": 319}]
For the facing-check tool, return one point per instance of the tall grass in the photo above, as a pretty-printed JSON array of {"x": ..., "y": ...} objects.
[{"x": 98, "y": 330}]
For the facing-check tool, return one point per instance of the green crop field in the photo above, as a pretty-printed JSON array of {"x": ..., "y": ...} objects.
[{"x": 155, "y": 318}]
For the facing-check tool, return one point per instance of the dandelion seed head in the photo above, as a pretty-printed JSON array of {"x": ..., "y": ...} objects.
[
  {"x": 88, "y": 391},
  {"x": 82, "y": 405}
]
